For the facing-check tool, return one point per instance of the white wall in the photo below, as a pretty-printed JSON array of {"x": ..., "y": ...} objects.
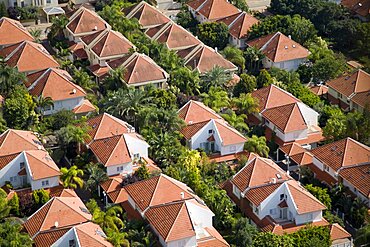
[
  {"x": 310, "y": 115},
  {"x": 231, "y": 149},
  {"x": 200, "y": 216},
  {"x": 305, "y": 218},
  {"x": 290, "y": 65},
  {"x": 320, "y": 165},
  {"x": 363, "y": 198},
  {"x": 136, "y": 145},
  {"x": 67, "y": 104},
  {"x": 186, "y": 242},
  {"x": 39, "y": 3},
  {"x": 203, "y": 135},
  {"x": 112, "y": 170},
  {"x": 37, "y": 184},
  {"x": 287, "y": 137},
  {"x": 11, "y": 170},
  {"x": 64, "y": 240}
]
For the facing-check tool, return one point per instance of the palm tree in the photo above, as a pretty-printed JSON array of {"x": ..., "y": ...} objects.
[
  {"x": 217, "y": 77},
  {"x": 216, "y": 98},
  {"x": 257, "y": 145},
  {"x": 237, "y": 121},
  {"x": 110, "y": 219},
  {"x": 42, "y": 103},
  {"x": 235, "y": 56},
  {"x": 245, "y": 104},
  {"x": 363, "y": 236},
  {"x": 115, "y": 79},
  {"x": 71, "y": 177},
  {"x": 36, "y": 34},
  {"x": 9, "y": 77},
  {"x": 253, "y": 56},
  {"x": 73, "y": 134},
  {"x": 96, "y": 176},
  {"x": 58, "y": 25},
  {"x": 118, "y": 239}
]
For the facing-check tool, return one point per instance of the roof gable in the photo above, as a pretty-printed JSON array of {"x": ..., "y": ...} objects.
[
  {"x": 41, "y": 165},
  {"x": 86, "y": 21},
  {"x": 358, "y": 176},
  {"x": 16, "y": 141},
  {"x": 357, "y": 82},
  {"x": 111, "y": 43},
  {"x": 195, "y": 112},
  {"x": 147, "y": 15},
  {"x": 15, "y": 28},
  {"x": 176, "y": 37},
  {"x": 239, "y": 24},
  {"x": 228, "y": 134},
  {"x": 216, "y": 9}
]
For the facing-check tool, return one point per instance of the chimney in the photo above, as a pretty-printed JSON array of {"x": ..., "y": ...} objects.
[
  {"x": 216, "y": 49},
  {"x": 289, "y": 36},
  {"x": 273, "y": 180},
  {"x": 182, "y": 194},
  {"x": 95, "y": 28}
]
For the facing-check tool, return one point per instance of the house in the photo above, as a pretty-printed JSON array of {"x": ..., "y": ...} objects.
[
  {"x": 17, "y": 31},
  {"x": 58, "y": 85},
  {"x": 206, "y": 130},
  {"x": 176, "y": 215},
  {"x": 24, "y": 161},
  {"x": 340, "y": 237},
  {"x": 271, "y": 199},
  {"x": 84, "y": 235},
  {"x": 37, "y": 3},
  {"x": 285, "y": 117},
  {"x": 55, "y": 218},
  {"x": 211, "y": 10},
  {"x": 239, "y": 25},
  {"x": 357, "y": 178},
  {"x": 320, "y": 90},
  {"x": 116, "y": 145},
  {"x": 350, "y": 92},
  {"x": 28, "y": 57},
  {"x": 280, "y": 51},
  {"x": 84, "y": 22},
  {"x": 106, "y": 45},
  {"x": 360, "y": 8},
  {"x": 330, "y": 159},
  {"x": 136, "y": 67},
  {"x": 294, "y": 156}
]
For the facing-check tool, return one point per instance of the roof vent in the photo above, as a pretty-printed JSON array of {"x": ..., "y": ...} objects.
[
  {"x": 182, "y": 194},
  {"x": 278, "y": 175},
  {"x": 334, "y": 148},
  {"x": 360, "y": 4},
  {"x": 95, "y": 28},
  {"x": 293, "y": 46},
  {"x": 286, "y": 47},
  {"x": 56, "y": 224},
  {"x": 289, "y": 36},
  {"x": 190, "y": 122},
  {"x": 74, "y": 91},
  {"x": 39, "y": 147},
  {"x": 216, "y": 49},
  {"x": 273, "y": 180}
]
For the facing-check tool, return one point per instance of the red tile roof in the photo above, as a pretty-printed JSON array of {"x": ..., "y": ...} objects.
[
  {"x": 28, "y": 56},
  {"x": 360, "y": 7},
  {"x": 278, "y": 47},
  {"x": 361, "y": 99},
  {"x": 90, "y": 234},
  {"x": 292, "y": 149},
  {"x": 54, "y": 83},
  {"x": 190, "y": 130},
  {"x": 338, "y": 232},
  {"x": 58, "y": 212},
  {"x": 6, "y": 159},
  {"x": 214, "y": 9},
  {"x": 12, "y": 31},
  {"x": 287, "y": 118},
  {"x": 85, "y": 107},
  {"x": 78, "y": 50},
  {"x": 345, "y": 152},
  {"x": 258, "y": 194},
  {"x": 136, "y": 69},
  {"x": 319, "y": 90},
  {"x": 16, "y": 141},
  {"x": 85, "y": 21},
  {"x": 41, "y": 165},
  {"x": 214, "y": 240},
  {"x": 239, "y": 24},
  {"x": 358, "y": 176},
  {"x": 47, "y": 238},
  {"x": 158, "y": 190},
  {"x": 196, "y": 112},
  {"x": 228, "y": 134},
  {"x": 302, "y": 159},
  {"x": 112, "y": 183}
]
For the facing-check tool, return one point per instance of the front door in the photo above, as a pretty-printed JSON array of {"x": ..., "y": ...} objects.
[{"x": 284, "y": 213}]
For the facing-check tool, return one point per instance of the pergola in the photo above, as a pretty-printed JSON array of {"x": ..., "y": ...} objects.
[{"x": 53, "y": 11}]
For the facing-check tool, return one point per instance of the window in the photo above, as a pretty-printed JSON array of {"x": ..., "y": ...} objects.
[
  {"x": 136, "y": 156},
  {"x": 267, "y": 121},
  {"x": 273, "y": 211},
  {"x": 339, "y": 95},
  {"x": 232, "y": 149},
  {"x": 282, "y": 197},
  {"x": 48, "y": 108},
  {"x": 235, "y": 190},
  {"x": 256, "y": 210},
  {"x": 326, "y": 168},
  {"x": 48, "y": 1},
  {"x": 21, "y": 165},
  {"x": 72, "y": 243},
  {"x": 119, "y": 168},
  {"x": 45, "y": 183},
  {"x": 309, "y": 217},
  {"x": 210, "y": 131},
  {"x": 13, "y": 179}
]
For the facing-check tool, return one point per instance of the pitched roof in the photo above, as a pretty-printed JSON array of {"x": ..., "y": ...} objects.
[
  {"x": 15, "y": 141},
  {"x": 319, "y": 90},
  {"x": 12, "y": 31},
  {"x": 304, "y": 201},
  {"x": 58, "y": 212},
  {"x": 239, "y": 24},
  {"x": 47, "y": 238},
  {"x": 357, "y": 82},
  {"x": 342, "y": 153},
  {"x": 191, "y": 129},
  {"x": 258, "y": 194},
  {"x": 214, "y": 240},
  {"x": 106, "y": 125},
  {"x": 28, "y": 56},
  {"x": 172, "y": 221},
  {"x": 287, "y": 118},
  {"x": 203, "y": 58},
  {"x": 214, "y": 9},
  {"x": 6, "y": 159},
  {"x": 41, "y": 165},
  {"x": 90, "y": 234},
  {"x": 278, "y": 47},
  {"x": 85, "y": 107},
  {"x": 157, "y": 190},
  {"x": 362, "y": 99},
  {"x": 292, "y": 149},
  {"x": 176, "y": 37},
  {"x": 229, "y": 135},
  {"x": 111, "y": 150},
  {"x": 358, "y": 176},
  {"x": 136, "y": 69},
  {"x": 54, "y": 83},
  {"x": 259, "y": 171},
  {"x": 86, "y": 21},
  {"x": 147, "y": 15},
  {"x": 112, "y": 183},
  {"x": 302, "y": 159},
  {"x": 360, "y": 7},
  {"x": 108, "y": 43},
  {"x": 195, "y": 112},
  {"x": 338, "y": 232},
  {"x": 272, "y": 96}
]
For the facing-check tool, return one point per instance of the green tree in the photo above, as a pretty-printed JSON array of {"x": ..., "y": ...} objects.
[
  {"x": 118, "y": 239},
  {"x": 107, "y": 220},
  {"x": 268, "y": 239},
  {"x": 264, "y": 79},
  {"x": 162, "y": 98},
  {"x": 83, "y": 79},
  {"x": 72, "y": 134},
  {"x": 216, "y": 77},
  {"x": 321, "y": 194},
  {"x": 335, "y": 128},
  {"x": 246, "y": 84},
  {"x": 363, "y": 236},
  {"x": 312, "y": 236},
  {"x": 142, "y": 172},
  {"x": 36, "y": 34},
  {"x": 11, "y": 235},
  {"x": 186, "y": 19},
  {"x": 9, "y": 78},
  {"x": 43, "y": 103},
  {"x": 235, "y": 56},
  {"x": 257, "y": 145},
  {"x": 303, "y": 93},
  {"x": 240, "y": 4},
  {"x": 40, "y": 197},
  {"x": 61, "y": 119},
  {"x": 4, "y": 207},
  {"x": 71, "y": 178},
  {"x": 216, "y": 98},
  {"x": 96, "y": 176},
  {"x": 214, "y": 34},
  {"x": 245, "y": 104},
  {"x": 3, "y": 11},
  {"x": 237, "y": 121},
  {"x": 19, "y": 108},
  {"x": 13, "y": 203},
  {"x": 243, "y": 232},
  {"x": 186, "y": 80},
  {"x": 56, "y": 30},
  {"x": 253, "y": 57}
]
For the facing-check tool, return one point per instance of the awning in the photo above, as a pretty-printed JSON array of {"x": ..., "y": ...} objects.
[{"x": 53, "y": 11}]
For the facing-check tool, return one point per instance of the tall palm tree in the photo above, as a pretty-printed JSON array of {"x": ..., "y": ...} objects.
[
  {"x": 71, "y": 177},
  {"x": 118, "y": 239},
  {"x": 216, "y": 98},
  {"x": 217, "y": 77},
  {"x": 96, "y": 176},
  {"x": 245, "y": 104},
  {"x": 58, "y": 25},
  {"x": 110, "y": 219},
  {"x": 235, "y": 56},
  {"x": 257, "y": 145},
  {"x": 237, "y": 121},
  {"x": 73, "y": 134},
  {"x": 115, "y": 80},
  {"x": 9, "y": 77},
  {"x": 363, "y": 236},
  {"x": 42, "y": 103},
  {"x": 253, "y": 57}
]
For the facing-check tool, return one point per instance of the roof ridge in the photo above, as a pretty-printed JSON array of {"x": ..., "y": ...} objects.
[
  {"x": 29, "y": 152},
  {"x": 73, "y": 198},
  {"x": 135, "y": 60},
  {"x": 291, "y": 113},
  {"x": 154, "y": 191},
  {"x": 86, "y": 234},
  {"x": 116, "y": 145},
  {"x": 44, "y": 219},
  {"x": 177, "y": 216}
]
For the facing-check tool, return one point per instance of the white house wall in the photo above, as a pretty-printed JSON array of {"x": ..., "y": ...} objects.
[
  {"x": 320, "y": 165},
  {"x": 301, "y": 219},
  {"x": 68, "y": 104},
  {"x": 37, "y": 184},
  {"x": 11, "y": 170},
  {"x": 186, "y": 242},
  {"x": 357, "y": 193},
  {"x": 64, "y": 240},
  {"x": 136, "y": 145},
  {"x": 202, "y": 136},
  {"x": 287, "y": 137},
  {"x": 200, "y": 216},
  {"x": 231, "y": 149},
  {"x": 112, "y": 170},
  {"x": 290, "y": 65},
  {"x": 310, "y": 116}
]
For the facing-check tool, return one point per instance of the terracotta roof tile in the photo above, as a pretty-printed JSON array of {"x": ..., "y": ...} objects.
[
  {"x": 5, "y": 159},
  {"x": 85, "y": 107},
  {"x": 147, "y": 15},
  {"x": 357, "y": 82},
  {"x": 292, "y": 149},
  {"x": 287, "y": 118},
  {"x": 12, "y": 31},
  {"x": 190, "y": 130},
  {"x": 157, "y": 190},
  {"x": 90, "y": 234},
  {"x": 360, "y": 7},
  {"x": 176, "y": 37},
  {"x": 111, "y": 43},
  {"x": 54, "y": 83},
  {"x": 302, "y": 159},
  {"x": 16, "y": 141},
  {"x": 259, "y": 194},
  {"x": 195, "y": 112},
  {"x": 41, "y": 165},
  {"x": 278, "y": 47},
  {"x": 240, "y": 23},
  {"x": 214, "y": 240},
  {"x": 171, "y": 221},
  {"x": 28, "y": 56},
  {"x": 228, "y": 134},
  {"x": 112, "y": 183},
  {"x": 217, "y": 9},
  {"x": 292, "y": 227},
  {"x": 78, "y": 50},
  {"x": 358, "y": 176},
  {"x": 342, "y": 153},
  {"x": 338, "y": 232},
  {"x": 319, "y": 90},
  {"x": 86, "y": 21},
  {"x": 118, "y": 196},
  {"x": 47, "y": 238},
  {"x": 361, "y": 99}
]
